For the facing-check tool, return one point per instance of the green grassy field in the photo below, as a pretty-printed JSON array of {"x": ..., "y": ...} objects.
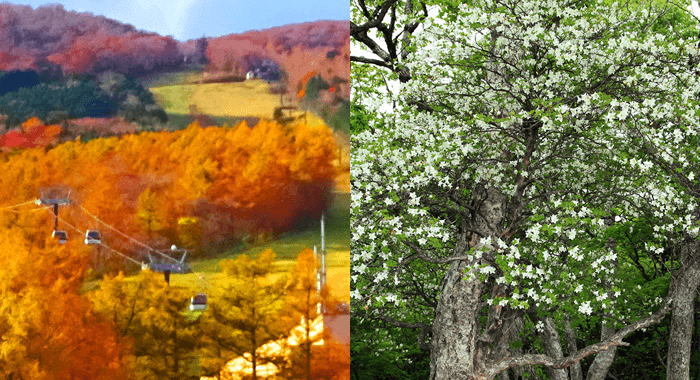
[
  {"x": 226, "y": 103},
  {"x": 170, "y": 78}
]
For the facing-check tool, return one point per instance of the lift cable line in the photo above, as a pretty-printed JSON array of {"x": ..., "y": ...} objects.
[
  {"x": 201, "y": 299},
  {"x": 127, "y": 236},
  {"x": 199, "y": 302},
  {"x": 102, "y": 244},
  {"x": 32, "y": 210},
  {"x": 18, "y": 205},
  {"x": 199, "y": 276}
]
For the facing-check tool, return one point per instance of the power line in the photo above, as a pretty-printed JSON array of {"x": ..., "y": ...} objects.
[
  {"x": 123, "y": 255},
  {"x": 33, "y": 210},
  {"x": 200, "y": 276}
]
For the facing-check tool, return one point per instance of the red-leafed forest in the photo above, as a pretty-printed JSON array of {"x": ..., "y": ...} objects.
[{"x": 50, "y": 37}]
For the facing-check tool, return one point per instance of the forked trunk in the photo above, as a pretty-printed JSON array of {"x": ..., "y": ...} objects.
[
  {"x": 575, "y": 369},
  {"x": 603, "y": 360},
  {"x": 455, "y": 352},
  {"x": 552, "y": 347}
]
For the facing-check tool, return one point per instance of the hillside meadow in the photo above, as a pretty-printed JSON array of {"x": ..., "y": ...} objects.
[
  {"x": 249, "y": 98},
  {"x": 286, "y": 249}
]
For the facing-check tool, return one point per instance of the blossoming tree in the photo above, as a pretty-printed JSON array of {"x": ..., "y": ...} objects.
[{"x": 527, "y": 140}]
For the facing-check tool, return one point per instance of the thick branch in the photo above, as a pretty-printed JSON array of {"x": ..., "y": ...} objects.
[
  {"x": 373, "y": 21},
  {"x": 613, "y": 341},
  {"x": 367, "y": 41},
  {"x": 424, "y": 329},
  {"x": 372, "y": 61}
]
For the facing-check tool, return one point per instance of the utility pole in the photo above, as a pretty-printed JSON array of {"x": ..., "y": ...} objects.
[
  {"x": 323, "y": 257},
  {"x": 321, "y": 272},
  {"x": 323, "y": 249},
  {"x": 318, "y": 282}
]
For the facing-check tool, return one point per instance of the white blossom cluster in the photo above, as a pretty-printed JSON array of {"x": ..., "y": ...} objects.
[{"x": 590, "y": 173}]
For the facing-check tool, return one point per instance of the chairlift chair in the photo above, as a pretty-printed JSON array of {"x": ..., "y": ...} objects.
[
  {"x": 92, "y": 237},
  {"x": 61, "y": 236},
  {"x": 198, "y": 302}
]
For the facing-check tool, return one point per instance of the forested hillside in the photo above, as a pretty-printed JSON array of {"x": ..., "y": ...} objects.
[
  {"x": 201, "y": 188},
  {"x": 49, "y": 37},
  {"x": 55, "y": 97}
]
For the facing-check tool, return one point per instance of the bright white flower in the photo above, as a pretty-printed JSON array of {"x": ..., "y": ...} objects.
[
  {"x": 539, "y": 326},
  {"x": 585, "y": 308}
]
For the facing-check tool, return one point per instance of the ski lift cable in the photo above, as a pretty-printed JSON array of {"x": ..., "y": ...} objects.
[
  {"x": 21, "y": 204},
  {"x": 123, "y": 255},
  {"x": 108, "y": 247},
  {"x": 127, "y": 236},
  {"x": 32, "y": 210},
  {"x": 200, "y": 276}
]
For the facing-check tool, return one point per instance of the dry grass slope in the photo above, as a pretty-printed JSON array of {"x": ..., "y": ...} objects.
[{"x": 250, "y": 98}]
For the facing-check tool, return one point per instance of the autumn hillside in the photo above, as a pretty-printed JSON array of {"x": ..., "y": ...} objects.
[
  {"x": 201, "y": 188},
  {"x": 51, "y": 37},
  {"x": 322, "y": 46}
]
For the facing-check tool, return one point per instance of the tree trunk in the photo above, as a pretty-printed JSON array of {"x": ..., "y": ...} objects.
[
  {"x": 680, "y": 338},
  {"x": 515, "y": 330},
  {"x": 550, "y": 341},
  {"x": 575, "y": 369},
  {"x": 697, "y": 337},
  {"x": 456, "y": 351},
  {"x": 456, "y": 325},
  {"x": 603, "y": 360}
]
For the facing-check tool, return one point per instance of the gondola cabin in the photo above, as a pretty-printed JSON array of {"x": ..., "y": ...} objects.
[
  {"x": 61, "y": 236},
  {"x": 198, "y": 302},
  {"x": 92, "y": 237}
]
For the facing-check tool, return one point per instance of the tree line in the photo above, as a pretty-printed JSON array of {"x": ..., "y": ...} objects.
[
  {"x": 204, "y": 189},
  {"x": 53, "y": 97}
]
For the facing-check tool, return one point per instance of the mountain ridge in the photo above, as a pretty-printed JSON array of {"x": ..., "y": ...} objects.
[{"x": 51, "y": 37}]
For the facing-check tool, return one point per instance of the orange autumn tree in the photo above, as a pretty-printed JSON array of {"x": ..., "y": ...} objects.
[
  {"x": 318, "y": 357},
  {"x": 49, "y": 329},
  {"x": 33, "y": 134},
  {"x": 40, "y": 134}
]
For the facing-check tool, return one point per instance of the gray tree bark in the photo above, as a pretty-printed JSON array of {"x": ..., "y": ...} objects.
[
  {"x": 682, "y": 318},
  {"x": 603, "y": 360},
  {"x": 575, "y": 369},
  {"x": 552, "y": 347},
  {"x": 455, "y": 347},
  {"x": 697, "y": 331},
  {"x": 456, "y": 325}
]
